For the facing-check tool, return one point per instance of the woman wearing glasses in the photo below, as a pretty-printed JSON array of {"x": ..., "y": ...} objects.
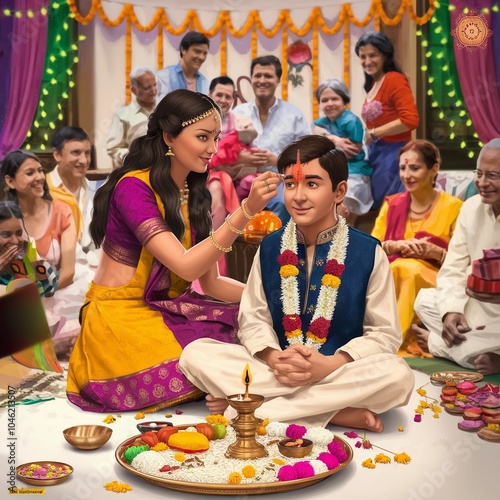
[{"x": 415, "y": 228}]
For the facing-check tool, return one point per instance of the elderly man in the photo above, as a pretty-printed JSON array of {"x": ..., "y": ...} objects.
[
  {"x": 277, "y": 122},
  {"x": 186, "y": 73},
  {"x": 462, "y": 315},
  {"x": 131, "y": 121}
]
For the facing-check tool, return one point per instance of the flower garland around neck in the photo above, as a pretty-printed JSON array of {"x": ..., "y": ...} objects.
[{"x": 327, "y": 299}]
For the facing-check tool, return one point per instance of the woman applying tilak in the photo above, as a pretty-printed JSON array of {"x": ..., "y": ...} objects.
[{"x": 152, "y": 218}]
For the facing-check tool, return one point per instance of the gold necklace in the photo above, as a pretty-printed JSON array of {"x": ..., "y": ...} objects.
[
  {"x": 426, "y": 210},
  {"x": 184, "y": 192}
]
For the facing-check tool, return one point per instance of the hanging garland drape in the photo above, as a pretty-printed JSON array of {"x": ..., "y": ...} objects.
[{"x": 253, "y": 24}]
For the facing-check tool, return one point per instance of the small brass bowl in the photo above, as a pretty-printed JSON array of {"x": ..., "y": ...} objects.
[
  {"x": 87, "y": 437},
  {"x": 295, "y": 451},
  {"x": 59, "y": 471}
]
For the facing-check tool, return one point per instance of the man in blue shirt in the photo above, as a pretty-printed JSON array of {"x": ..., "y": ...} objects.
[
  {"x": 277, "y": 122},
  {"x": 185, "y": 74}
]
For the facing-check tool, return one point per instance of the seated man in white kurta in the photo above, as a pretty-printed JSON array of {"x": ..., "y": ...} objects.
[
  {"x": 318, "y": 319},
  {"x": 462, "y": 314}
]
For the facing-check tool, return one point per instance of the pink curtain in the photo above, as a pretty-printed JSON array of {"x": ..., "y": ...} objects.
[
  {"x": 27, "y": 43},
  {"x": 477, "y": 74}
]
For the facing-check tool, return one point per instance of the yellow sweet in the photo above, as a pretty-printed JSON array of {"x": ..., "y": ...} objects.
[{"x": 189, "y": 442}]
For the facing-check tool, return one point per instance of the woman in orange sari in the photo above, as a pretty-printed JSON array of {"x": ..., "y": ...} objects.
[{"x": 415, "y": 228}]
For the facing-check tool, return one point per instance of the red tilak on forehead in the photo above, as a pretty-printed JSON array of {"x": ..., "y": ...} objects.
[{"x": 297, "y": 172}]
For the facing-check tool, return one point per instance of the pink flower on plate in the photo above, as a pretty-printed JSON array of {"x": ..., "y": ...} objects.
[{"x": 371, "y": 110}]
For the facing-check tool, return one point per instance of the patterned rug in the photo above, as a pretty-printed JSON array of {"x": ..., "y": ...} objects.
[{"x": 39, "y": 385}]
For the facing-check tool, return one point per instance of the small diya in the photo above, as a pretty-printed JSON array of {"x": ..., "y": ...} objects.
[
  {"x": 295, "y": 448},
  {"x": 152, "y": 426}
]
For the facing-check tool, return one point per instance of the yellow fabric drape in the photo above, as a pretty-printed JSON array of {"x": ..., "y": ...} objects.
[{"x": 253, "y": 24}]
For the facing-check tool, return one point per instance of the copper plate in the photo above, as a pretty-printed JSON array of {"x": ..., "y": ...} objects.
[
  {"x": 458, "y": 376},
  {"x": 43, "y": 482},
  {"x": 230, "y": 489}
]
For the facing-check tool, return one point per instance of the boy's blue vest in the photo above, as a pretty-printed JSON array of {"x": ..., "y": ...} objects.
[{"x": 347, "y": 321}]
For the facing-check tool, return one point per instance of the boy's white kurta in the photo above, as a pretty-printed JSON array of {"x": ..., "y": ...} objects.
[{"x": 377, "y": 379}]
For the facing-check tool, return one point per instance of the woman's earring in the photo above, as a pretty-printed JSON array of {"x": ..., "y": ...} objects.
[{"x": 169, "y": 152}]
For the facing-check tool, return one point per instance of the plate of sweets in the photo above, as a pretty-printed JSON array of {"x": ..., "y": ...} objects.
[
  {"x": 44, "y": 473},
  {"x": 197, "y": 458},
  {"x": 455, "y": 377}
]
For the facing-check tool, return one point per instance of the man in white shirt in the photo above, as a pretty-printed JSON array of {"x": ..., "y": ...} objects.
[
  {"x": 462, "y": 315},
  {"x": 277, "y": 122},
  {"x": 186, "y": 73},
  {"x": 131, "y": 121},
  {"x": 67, "y": 181}
]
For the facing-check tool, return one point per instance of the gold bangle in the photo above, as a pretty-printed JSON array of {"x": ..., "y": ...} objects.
[
  {"x": 231, "y": 227},
  {"x": 218, "y": 245},
  {"x": 245, "y": 213}
]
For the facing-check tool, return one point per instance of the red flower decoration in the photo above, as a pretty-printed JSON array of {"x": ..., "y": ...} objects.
[
  {"x": 292, "y": 322},
  {"x": 288, "y": 258},
  {"x": 299, "y": 53},
  {"x": 333, "y": 267},
  {"x": 366, "y": 444},
  {"x": 319, "y": 328}
]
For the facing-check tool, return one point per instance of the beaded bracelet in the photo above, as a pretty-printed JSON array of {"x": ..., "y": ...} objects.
[
  {"x": 231, "y": 227},
  {"x": 245, "y": 213},
  {"x": 218, "y": 245}
]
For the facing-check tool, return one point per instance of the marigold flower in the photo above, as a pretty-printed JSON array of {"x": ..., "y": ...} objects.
[
  {"x": 292, "y": 322},
  {"x": 180, "y": 457},
  {"x": 160, "y": 447},
  {"x": 319, "y": 327},
  {"x": 400, "y": 428},
  {"x": 368, "y": 463},
  {"x": 109, "y": 419},
  {"x": 330, "y": 280},
  {"x": 436, "y": 409},
  {"x": 288, "y": 271},
  {"x": 261, "y": 430},
  {"x": 139, "y": 415},
  {"x": 279, "y": 461},
  {"x": 248, "y": 471},
  {"x": 419, "y": 410},
  {"x": 435, "y": 415},
  {"x": 402, "y": 458},
  {"x": 235, "y": 478},
  {"x": 288, "y": 257},
  {"x": 118, "y": 487},
  {"x": 382, "y": 459},
  {"x": 423, "y": 404},
  {"x": 333, "y": 267},
  {"x": 217, "y": 419},
  {"x": 421, "y": 391},
  {"x": 292, "y": 334},
  {"x": 168, "y": 415}
]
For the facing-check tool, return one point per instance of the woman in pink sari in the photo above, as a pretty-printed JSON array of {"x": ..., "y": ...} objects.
[{"x": 152, "y": 219}]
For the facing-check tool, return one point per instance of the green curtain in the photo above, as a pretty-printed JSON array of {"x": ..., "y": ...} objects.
[{"x": 58, "y": 77}]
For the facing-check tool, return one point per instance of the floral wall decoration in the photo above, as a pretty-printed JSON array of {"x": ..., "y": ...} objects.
[{"x": 299, "y": 55}]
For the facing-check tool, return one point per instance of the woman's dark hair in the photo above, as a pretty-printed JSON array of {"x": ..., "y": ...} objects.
[
  {"x": 314, "y": 147},
  {"x": 9, "y": 210},
  {"x": 9, "y": 167},
  {"x": 383, "y": 45},
  {"x": 427, "y": 151},
  {"x": 148, "y": 152}
]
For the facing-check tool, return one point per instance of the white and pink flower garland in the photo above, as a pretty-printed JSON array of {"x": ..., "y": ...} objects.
[{"x": 327, "y": 299}]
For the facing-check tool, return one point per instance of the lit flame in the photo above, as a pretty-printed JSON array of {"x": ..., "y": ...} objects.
[{"x": 247, "y": 376}]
